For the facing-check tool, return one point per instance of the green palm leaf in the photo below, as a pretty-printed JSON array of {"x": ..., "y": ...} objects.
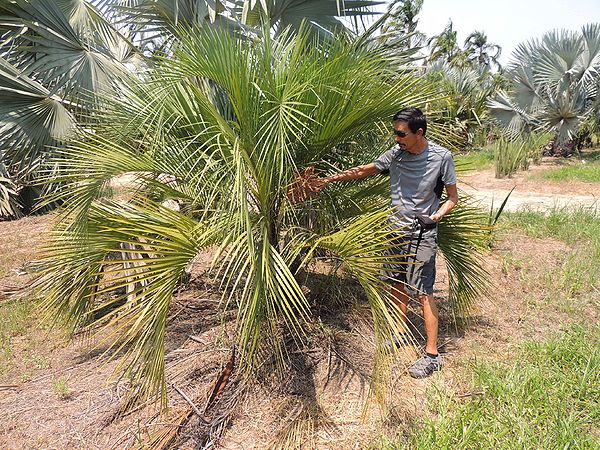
[
  {"x": 72, "y": 59},
  {"x": 31, "y": 119},
  {"x": 9, "y": 206},
  {"x": 321, "y": 16},
  {"x": 158, "y": 23},
  {"x": 162, "y": 243},
  {"x": 363, "y": 246},
  {"x": 463, "y": 238}
]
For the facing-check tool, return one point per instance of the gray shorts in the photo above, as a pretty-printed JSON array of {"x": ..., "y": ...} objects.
[{"x": 414, "y": 265}]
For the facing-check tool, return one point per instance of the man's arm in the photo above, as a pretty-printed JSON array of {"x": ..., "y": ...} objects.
[
  {"x": 355, "y": 173},
  {"x": 446, "y": 207}
]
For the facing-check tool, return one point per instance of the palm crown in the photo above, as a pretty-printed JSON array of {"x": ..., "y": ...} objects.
[
  {"x": 56, "y": 56},
  {"x": 554, "y": 83}
]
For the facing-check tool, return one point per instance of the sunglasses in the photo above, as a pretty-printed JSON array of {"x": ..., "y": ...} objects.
[{"x": 401, "y": 134}]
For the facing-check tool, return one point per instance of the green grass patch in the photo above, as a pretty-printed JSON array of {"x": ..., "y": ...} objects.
[
  {"x": 579, "y": 228},
  {"x": 586, "y": 169},
  {"x": 60, "y": 386},
  {"x": 475, "y": 160},
  {"x": 549, "y": 398},
  {"x": 573, "y": 226},
  {"x": 14, "y": 321}
]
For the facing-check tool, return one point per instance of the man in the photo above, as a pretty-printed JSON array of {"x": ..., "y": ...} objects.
[{"x": 418, "y": 170}]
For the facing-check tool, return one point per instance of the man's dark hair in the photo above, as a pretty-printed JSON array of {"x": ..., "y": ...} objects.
[{"x": 414, "y": 117}]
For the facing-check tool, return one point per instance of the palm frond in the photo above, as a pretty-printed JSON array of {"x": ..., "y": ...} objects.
[
  {"x": 70, "y": 59},
  {"x": 463, "y": 237},
  {"x": 511, "y": 116},
  {"x": 363, "y": 246},
  {"x": 9, "y": 206},
  {"x": 31, "y": 119},
  {"x": 81, "y": 281},
  {"x": 321, "y": 16}
]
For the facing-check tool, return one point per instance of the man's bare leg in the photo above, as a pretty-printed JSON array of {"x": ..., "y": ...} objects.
[
  {"x": 400, "y": 299},
  {"x": 431, "y": 319},
  {"x": 431, "y": 362}
]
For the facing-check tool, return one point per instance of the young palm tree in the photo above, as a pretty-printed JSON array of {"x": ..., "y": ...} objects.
[{"x": 229, "y": 124}]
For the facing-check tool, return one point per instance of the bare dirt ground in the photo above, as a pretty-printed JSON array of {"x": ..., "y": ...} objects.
[
  {"x": 530, "y": 192},
  {"x": 56, "y": 394}
]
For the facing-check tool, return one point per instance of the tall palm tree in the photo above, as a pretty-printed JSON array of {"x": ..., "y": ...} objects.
[
  {"x": 229, "y": 124},
  {"x": 444, "y": 46},
  {"x": 555, "y": 84},
  {"x": 400, "y": 28},
  {"x": 480, "y": 50}
]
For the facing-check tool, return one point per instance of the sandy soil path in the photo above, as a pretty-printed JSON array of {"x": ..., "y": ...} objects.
[
  {"x": 533, "y": 200},
  {"x": 530, "y": 191}
]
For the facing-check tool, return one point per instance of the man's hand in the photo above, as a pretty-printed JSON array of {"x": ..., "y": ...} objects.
[
  {"x": 317, "y": 184},
  {"x": 449, "y": 204},
  {"x": 300, "y": 189},
  {"x": 308, "y": 182}
]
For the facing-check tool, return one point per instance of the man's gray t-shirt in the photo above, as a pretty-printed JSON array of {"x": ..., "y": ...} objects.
[{"x": 413, "y": 179}]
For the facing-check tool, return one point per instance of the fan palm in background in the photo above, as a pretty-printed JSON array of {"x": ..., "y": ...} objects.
[
  {"x": 464, "y": 103},
  {"x": 54, "y": 57},
  {"x": 222, "y": 128},
  {"x": 555, "y": 85}
]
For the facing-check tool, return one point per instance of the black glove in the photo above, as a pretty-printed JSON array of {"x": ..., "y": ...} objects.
[{"x": 426, "y": 222}]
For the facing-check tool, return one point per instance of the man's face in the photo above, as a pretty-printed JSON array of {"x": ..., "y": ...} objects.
[{"x": 407, "y": 139}]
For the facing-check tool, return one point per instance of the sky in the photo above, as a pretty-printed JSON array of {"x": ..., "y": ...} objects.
[{"x": 507, "y": 22}]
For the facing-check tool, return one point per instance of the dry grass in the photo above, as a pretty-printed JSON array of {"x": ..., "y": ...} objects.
[{"x": 19, "y": 242}]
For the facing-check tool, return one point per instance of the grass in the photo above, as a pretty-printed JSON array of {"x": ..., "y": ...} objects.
[
  {"x": 475, "y": 160},
  {"x": 579, "y": 228},
  {"x": 17, "y": 323},
  {"x": 60, "y": 386},
  {"x": 547, "y": 394},
  {"x": 586, "y": 169},
  {"x": 546, "y": 399},
  {"x": 14, "y": 321},
  {"x": 572, "y": 226}
]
